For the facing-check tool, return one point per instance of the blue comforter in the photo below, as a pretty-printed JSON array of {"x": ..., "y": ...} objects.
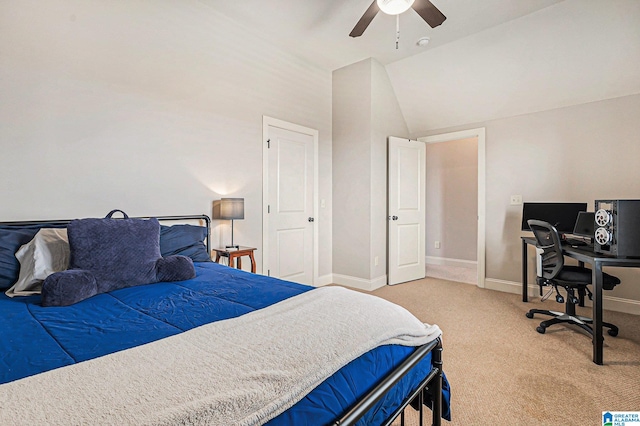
[{"x": 34, "y": 339}]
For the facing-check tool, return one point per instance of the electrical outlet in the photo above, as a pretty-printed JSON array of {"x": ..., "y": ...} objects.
[
  {"x": 376, "y": 261},
  {"x": 436, "y": 244},
  {"x": 516, "y": 200}
]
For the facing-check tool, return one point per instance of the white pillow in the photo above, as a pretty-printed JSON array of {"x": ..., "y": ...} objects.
[{"x": 46, "y": 253}]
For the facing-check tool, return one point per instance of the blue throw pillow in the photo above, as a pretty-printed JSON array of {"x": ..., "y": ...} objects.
[
  {"x": 119, "y": 252},
  {"x": 109, "y": 254},
  {"x": 185, "y": 240},
  {"x": 68, "y": 287}
]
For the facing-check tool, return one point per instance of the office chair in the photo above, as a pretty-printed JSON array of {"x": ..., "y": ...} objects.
[{"x": 556, "y": 274}]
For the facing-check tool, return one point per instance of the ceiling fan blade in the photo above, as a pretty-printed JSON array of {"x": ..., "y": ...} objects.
[
  {"x": 429, "y": 12},
  {"x": 366, "y": 19}
]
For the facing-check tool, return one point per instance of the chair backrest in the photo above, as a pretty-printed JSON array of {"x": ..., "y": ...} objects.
[{"x": 548, "y": 240}]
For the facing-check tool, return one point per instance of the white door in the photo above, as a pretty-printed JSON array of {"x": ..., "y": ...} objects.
[
  {"x": 290, "y": 205},
  {"x": 406, "y": 210}
]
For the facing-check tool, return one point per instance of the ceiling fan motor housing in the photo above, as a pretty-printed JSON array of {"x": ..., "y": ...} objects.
[{"x": 394, "y": 7}]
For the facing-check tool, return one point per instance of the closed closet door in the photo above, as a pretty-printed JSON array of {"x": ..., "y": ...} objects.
[{"x": 291, "y": 205}]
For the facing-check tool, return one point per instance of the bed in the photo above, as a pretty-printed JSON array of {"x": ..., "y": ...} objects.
[{"x": 153, "y": 353}]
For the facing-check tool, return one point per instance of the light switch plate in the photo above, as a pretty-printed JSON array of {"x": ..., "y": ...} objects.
[{"x": 516, "y": 200}]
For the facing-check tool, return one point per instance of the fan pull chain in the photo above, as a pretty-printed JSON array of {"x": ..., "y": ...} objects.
[{"x": 397, "y": 30}]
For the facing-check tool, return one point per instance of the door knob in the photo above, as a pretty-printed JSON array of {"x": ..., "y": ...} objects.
[
  {"x": 311, "y": 219},
  {"x": 394, "y": 217}
]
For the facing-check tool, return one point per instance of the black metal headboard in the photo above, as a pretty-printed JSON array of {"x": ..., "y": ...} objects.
[{"x": 62, "y": 222}]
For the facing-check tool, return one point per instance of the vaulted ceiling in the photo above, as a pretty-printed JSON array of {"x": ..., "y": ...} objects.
[
  {"x": 319, "y": 30},
  {"x": 490, "y": 59}
]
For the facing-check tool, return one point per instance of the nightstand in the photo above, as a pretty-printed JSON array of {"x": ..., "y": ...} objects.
[{"x": 232, "y": 253}]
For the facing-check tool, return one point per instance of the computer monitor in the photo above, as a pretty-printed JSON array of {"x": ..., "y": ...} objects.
[
  {"x": 561, "y": 215},
  {"x": 585, "y": 225}
]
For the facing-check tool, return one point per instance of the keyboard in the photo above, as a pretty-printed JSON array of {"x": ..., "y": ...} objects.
[{"x": 575, "y": 242}]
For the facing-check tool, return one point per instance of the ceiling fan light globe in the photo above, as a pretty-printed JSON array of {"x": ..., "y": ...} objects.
[{"x": 394, "y": 7}]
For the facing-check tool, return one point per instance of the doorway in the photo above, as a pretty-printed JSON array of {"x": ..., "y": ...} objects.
[
  {"x": 447, "y": 247},
  {"x": 289, "y": 201}
]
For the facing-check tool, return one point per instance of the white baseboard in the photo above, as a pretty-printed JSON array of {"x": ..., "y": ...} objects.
[
  {"x": 619, "y": 304},
  {"x": 507, "y": 286},
  {"x": 324, "y": 280},
  {"x": 445, "y": 261},
  {"x": 611, "y": 303},
  {"x": 360, "y": 283},
  {"x": 459, "y": 270}
]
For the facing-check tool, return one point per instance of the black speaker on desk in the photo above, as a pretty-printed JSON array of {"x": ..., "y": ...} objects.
[{"x": 617, "y": 228}]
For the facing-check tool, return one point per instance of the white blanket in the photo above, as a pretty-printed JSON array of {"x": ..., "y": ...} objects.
[{"x": 241, "y": 371}]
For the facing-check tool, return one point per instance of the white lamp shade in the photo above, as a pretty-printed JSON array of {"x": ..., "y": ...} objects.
[
  {"x": 394, "y": 7},
  {"x": 228, "y": 209}
]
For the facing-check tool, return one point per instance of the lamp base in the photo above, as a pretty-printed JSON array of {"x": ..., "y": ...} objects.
[{"x": 236, "y": 247}]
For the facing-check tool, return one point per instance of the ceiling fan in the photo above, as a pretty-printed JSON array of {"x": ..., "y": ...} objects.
[{"x": 425, "y": 9}]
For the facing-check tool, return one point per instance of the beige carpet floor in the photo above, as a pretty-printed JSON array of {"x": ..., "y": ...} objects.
[{"x": 503, "y": 372}]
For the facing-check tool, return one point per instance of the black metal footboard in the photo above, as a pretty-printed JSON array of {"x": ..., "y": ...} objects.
[{"x": 432, "y": 383}]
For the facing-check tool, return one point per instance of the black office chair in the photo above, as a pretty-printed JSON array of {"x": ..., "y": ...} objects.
[{"x": 556, "y": 274}]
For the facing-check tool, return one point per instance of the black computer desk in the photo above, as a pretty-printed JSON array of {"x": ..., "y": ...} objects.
[{"x": 597, "y": 261}]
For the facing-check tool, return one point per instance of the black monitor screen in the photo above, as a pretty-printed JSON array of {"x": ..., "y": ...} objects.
[
  {"x": 561, "y": 215},
  {"x": 585, "y": 225}
]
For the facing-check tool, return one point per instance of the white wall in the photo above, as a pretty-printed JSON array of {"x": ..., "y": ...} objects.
[
  {"x": 580, "y": 153},
  {"x": 150, "y": 107},
  {"x": 386, "y": 120},
  {"x": 365, "y": 113},
  {"x": 351, "y": 170}
]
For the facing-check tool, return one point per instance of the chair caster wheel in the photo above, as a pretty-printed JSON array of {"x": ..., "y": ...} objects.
[
  {"x": 540, "y": 329},
  {"x": 529, "y": 315},
  {"x": 612, "y": 332}
]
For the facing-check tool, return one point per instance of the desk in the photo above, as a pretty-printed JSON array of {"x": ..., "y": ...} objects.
[
  {"x": 597, "y": 262},
  {"x": 232, "y": 253}
]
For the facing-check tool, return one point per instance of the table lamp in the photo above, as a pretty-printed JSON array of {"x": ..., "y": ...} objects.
[{"x": 229, "y": 209}]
